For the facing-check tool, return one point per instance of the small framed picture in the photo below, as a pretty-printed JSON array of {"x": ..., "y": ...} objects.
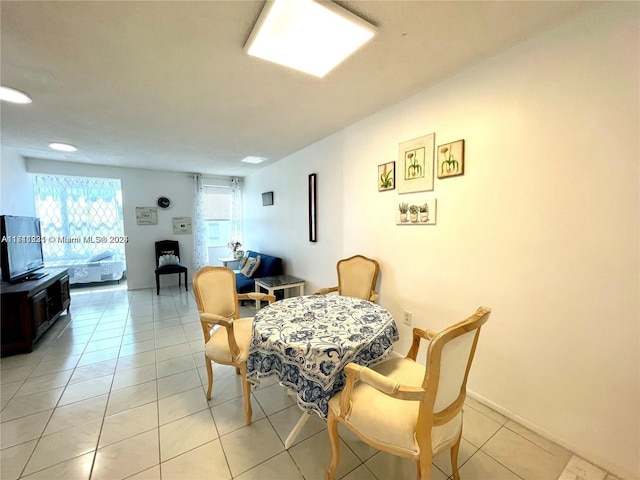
[
  {"x": 267, "y": 199},
  {"x": 451, "y": 159},
  {"x": 420, "y": 212},
  {"x": 386, "y": 176}
]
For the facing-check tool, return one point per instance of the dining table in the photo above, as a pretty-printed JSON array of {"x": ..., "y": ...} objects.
[{"x": 306, "y": 342}]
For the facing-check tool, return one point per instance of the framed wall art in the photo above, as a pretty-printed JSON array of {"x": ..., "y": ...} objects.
[
  {"x": 312, "y": 207},
  {"x": 415, "y": 164},
  {"x": 267, "y": 199},
  {"x": 386, "y": 176},
  {"x": 418, "y": 212},
  {"x": 451, "y": 159},
  {"x": 146, "y": 215},
  {"x": 182, "y": 225}
]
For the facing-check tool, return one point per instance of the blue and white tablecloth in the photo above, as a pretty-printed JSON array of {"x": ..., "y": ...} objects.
[{"x": 307, "y": 341}]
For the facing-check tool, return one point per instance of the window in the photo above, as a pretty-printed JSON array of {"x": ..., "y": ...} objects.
[
  {"x": 78, "y": 215},
  {"x": 217, "y": 215}
]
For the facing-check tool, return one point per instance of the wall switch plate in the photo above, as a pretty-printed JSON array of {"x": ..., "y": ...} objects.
[{"x": 407, "y": 317}]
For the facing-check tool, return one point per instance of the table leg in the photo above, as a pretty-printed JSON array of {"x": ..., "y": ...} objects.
[
  {"x": 302, "y": 290},
  {"x": 296, "y": 429},
  {"x": 257, "y": 301}
]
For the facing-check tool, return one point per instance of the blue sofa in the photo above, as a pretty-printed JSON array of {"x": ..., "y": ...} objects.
[{"x": 269, "y": 266}]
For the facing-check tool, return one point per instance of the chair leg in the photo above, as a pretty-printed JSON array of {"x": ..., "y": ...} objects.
[
  {"x": 157, "y": 284},
  {"x": 207, "y": 364},
  {"x": 185, "y": 282},
  {"x": 332, "y": 429},
  {"x": 424, "y": 468},
  {"x": 454, "y": 459},
  {"x": 246, "y": 390}
]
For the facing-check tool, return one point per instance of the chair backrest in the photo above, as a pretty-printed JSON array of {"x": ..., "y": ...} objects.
[
  {"x": 167, "y": 247},
  {"x": 357, "y": 276},
  {"x": 215, "y": 291},
  {"x": 449, "y": 360}
]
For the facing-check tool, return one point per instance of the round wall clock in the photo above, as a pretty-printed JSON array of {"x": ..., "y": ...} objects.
[{"x": 164, "y": 202}]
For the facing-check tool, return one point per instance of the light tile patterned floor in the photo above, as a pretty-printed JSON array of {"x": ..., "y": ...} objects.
[{"x": 116, "y": 390}]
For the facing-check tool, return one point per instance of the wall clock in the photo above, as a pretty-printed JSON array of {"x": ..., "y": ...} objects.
[{"x": 164, "y": 202}]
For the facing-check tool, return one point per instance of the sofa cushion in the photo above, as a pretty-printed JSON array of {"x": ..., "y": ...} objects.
[
  {"x": 251, "y": 267},
  {"x": 242, "y": 263},
  {"x": 244, "y": 284}
]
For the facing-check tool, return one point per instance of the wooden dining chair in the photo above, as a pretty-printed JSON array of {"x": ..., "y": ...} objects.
[
  {"x": 226, "y": 335},
  {"x": 357, "y": 277},
  {"x": 404, "y": 408}
]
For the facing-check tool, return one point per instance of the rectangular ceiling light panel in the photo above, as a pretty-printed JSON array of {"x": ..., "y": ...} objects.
[
  {"x": 310, "y": 36},
  {"x": 252, "y": 159}
]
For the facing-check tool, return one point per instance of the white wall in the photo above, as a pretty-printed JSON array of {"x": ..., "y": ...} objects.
[
  {"x": 543, "y": 226},
  {"x": 16, "y": 194},
  {"x": 282, "y": 229},
  {"x": 140, "y": 188}
]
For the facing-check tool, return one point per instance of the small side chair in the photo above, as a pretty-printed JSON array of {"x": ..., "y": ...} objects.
[
  {"x": 167, "y": 262},
  {"x": 357, "y": 277},
  {"x": 226, "y": 336},
  {"x": 404, "y": 408}
]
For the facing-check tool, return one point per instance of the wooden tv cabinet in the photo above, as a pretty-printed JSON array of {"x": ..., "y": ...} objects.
[{"x": 29, "y": 308}]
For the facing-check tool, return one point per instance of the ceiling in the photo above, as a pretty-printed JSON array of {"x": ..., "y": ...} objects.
[{"x": 167, "y": 85}]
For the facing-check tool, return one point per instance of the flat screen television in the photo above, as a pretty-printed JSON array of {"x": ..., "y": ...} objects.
[{"x": 20, "y": 248}]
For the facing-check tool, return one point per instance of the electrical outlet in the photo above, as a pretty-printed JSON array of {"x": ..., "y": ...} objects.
[{"x": 407, "y": 317}]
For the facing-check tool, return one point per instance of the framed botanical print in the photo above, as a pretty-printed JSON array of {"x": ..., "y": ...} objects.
[
  {"x": 386, "y": 176},
  {"x": 451, "y": 159},
  {"x": 415, "y": 164}
]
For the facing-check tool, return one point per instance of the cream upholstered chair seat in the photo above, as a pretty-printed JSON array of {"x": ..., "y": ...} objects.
[
  {"x": 357, "y": 277},
  {"x": 397, "y": 427},
  {"x": 407, "y": 409},
  {"x": 217, "y": 348},
  {"x": 226, "y": 336}
]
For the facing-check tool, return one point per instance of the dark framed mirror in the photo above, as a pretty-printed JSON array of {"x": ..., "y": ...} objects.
[{"x": 313, "y": 185}]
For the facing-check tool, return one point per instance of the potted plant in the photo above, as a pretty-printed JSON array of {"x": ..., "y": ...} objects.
[
  {"x": 424, "y": 213},
  {"x": 234, "y": 246},
  {"x": 404, "y": 208},
  {"x": 413, "y": 213}
]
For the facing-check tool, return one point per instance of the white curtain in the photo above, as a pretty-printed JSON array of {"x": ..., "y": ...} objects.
[
  {"x": 236, "y": 210},
  {"x": 201, "y": 254}
]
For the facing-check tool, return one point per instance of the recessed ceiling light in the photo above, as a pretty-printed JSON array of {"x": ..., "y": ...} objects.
[
  {"x": 14, "y": 96},
  {"x": 253, "y": 159},
  {"x": 63, "y": 147},
  {"x": 310, "y": 36}
]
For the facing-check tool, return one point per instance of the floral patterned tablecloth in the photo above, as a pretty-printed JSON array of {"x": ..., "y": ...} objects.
[{"x": 307, "y": 341}]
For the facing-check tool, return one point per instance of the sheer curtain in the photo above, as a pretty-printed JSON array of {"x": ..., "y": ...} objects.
[
  {"x": 217, "y": 215},
  {"x": 77, "y": 214},
  {"x": 201, "y": 254},
  {"x": 236, "y": 210}
]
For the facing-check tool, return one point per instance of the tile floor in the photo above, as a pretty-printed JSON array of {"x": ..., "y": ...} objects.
[{"x": 116, "y": 390}]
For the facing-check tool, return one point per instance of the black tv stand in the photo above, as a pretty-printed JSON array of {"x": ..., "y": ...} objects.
[{"x": 29, "y": 308}]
